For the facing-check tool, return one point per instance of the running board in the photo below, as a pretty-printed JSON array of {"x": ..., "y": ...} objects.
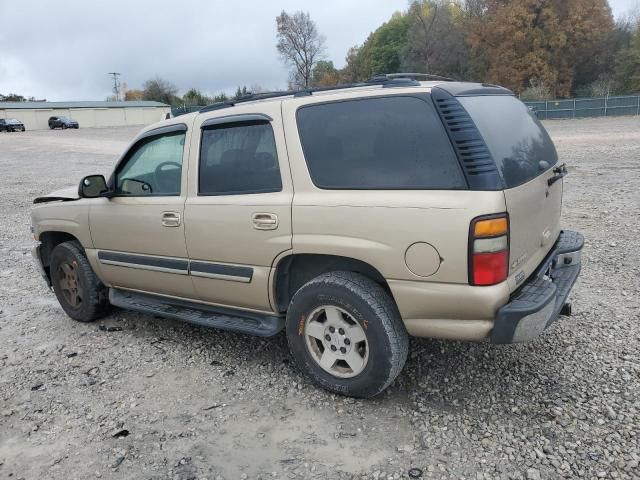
[{"x": 200, "y": 314}]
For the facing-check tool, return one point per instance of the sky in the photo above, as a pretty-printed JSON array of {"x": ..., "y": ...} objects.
[{"x": 64, "y": 50}]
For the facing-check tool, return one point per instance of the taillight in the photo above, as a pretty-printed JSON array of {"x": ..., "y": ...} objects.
[{"x": 489, "y": 249}]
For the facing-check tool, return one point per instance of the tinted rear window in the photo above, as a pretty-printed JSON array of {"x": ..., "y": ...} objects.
[
  {"x": 517, "y": 140},
  {"x": 378, "y": 143},
  {"x": 239, "y": 158}
]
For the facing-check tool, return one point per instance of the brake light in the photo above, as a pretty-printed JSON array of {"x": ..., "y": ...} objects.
[{"x": 489, "y": 250}]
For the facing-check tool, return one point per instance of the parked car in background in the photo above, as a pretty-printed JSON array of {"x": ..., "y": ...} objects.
[
  {"x": 62, "y": 122},
  {"x": 11, "y": 125}
]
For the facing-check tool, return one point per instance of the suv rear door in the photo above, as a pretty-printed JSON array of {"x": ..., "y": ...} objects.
[
  {"x": 238, "y": 211},
  {"x": 526, "y": 158}
]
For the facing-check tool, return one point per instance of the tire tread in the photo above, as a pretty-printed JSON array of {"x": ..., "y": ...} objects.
[{"x": 384, "y": 307}]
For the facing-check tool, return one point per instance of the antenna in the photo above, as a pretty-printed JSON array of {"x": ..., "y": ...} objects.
[{"x": 116, "y": 84}]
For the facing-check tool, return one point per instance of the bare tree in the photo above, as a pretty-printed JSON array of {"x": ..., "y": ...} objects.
[
  {"x": 300, "y": 45},
  {"x": 159, "y": 90}
]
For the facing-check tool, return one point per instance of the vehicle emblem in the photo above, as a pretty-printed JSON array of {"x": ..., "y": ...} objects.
[{"x": 518, "y": 261}]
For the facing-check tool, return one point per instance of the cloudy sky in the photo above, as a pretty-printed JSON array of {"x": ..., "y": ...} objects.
[{"x": 63, "y": 50}]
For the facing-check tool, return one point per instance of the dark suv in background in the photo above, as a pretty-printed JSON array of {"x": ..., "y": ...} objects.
[
  {"x": 11, "y": 125},
  {"x": 62, "y": 122}
]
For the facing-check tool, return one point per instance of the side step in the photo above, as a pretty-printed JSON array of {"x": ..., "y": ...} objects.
[{"x": 200, "y": 314}]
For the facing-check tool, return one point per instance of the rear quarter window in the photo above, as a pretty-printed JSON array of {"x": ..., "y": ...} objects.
[
  {"x": 391, "y": 143},
  {"x": 515, "y": 137}
]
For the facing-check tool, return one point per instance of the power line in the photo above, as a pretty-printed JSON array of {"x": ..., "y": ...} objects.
[{"x": 116, "y": 84}]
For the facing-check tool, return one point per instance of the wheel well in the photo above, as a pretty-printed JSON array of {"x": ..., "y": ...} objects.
[
  {"x": 49, "y": 241},
  {"x": 295, "y": 270}
]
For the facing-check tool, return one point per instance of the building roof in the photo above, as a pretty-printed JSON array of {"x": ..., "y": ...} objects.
[{"x": 48, "y": 105}]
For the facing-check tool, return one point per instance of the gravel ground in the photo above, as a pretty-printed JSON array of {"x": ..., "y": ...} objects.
[{"x": 164, "y": 400}]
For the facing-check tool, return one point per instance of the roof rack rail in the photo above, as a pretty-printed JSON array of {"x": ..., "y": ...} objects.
[
  {"x": 251, "y": 97},
  {"x": 385, "y": 80},
  {"x": 414, "y": 76}
]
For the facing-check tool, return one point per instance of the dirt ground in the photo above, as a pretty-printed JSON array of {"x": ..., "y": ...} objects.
[{"x": 164, "y": 400}]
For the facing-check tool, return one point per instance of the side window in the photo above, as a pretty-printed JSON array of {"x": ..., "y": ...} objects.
[
  {"x": 394, "y": 143},
  {"x": 154, "y": 167},
  {"x": 238, "y": 158}
]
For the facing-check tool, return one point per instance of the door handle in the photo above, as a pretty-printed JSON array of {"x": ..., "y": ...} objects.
[
  {"x": 265, "y": 221},
  {"x": 170, "y": 219}
]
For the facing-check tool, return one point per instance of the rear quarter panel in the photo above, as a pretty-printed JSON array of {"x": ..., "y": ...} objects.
[{"x": 378, "y": 226}]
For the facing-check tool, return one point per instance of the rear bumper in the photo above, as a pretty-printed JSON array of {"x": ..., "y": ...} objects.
[{"x": 538, "y": 302}]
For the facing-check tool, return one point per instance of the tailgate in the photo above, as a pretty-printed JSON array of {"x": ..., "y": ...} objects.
[
  {"x": 526, "y": 159},
  {"x": 534, "y": 220}
]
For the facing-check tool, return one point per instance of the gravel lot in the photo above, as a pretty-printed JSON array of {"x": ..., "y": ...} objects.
[{"x": 165, "y": 400}]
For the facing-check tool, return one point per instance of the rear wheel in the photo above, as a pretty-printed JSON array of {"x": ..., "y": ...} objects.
[
  {"x": 80, "y": 292},
  {"x": 346, "y": 334}
]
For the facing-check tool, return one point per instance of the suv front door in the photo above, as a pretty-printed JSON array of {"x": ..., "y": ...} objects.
[
  {"x": 238, "y": 212},
  {"x": 138, "y": 234}
]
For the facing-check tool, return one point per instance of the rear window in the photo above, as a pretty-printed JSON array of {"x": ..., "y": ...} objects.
[
  {"x": 393, "y": 143},
  {"x": 515, "y": 137}
]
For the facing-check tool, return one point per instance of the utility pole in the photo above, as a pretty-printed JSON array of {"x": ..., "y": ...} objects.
[{"x": 116, "y": 84}]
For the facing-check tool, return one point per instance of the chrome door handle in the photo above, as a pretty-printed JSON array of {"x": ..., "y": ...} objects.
[
  {"x": 265, "y": 221},
  {"x": 170, "y": 219}
]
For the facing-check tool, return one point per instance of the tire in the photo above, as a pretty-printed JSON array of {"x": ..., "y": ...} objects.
[
  {"x": 88, "y": 301},
  {"x": 63, "y": 126},
  {"x": 367, "y": 308}
]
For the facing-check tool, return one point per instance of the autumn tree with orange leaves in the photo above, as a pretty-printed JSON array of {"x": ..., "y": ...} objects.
[{"x": 529, "y": 42}]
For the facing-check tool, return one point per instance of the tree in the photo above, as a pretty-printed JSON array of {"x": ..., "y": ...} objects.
[
  {"x": 544, "y": 41},
  {"x": 325, "y": 74},
  {"x": 221, "y": 97},
  {"x": 354, "y": 69},
  {"x": 436, "y": 39},
  {"x": 134, "y": 94},
  {"x": 159, "y": 90},
  {"x": 628, "y": 65},
  {"x": 382, "y": 52},
  {"x": 195, "y": 97},
  {"x": 537, "y": 91},
  {"x": 241, "y": 92},
  {"x": 300, "y": 45},
  {"x": 12, "y": 97}
]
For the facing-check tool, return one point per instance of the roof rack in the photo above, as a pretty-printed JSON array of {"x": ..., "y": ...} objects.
[
  {"x": 414, "y": 76},
  {"x": 390, "y": 80}
]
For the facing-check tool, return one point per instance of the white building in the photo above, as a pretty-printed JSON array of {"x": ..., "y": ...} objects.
[{"x": 35, "y": 115}]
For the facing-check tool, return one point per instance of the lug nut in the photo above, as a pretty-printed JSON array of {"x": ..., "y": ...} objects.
[
  {"x": 331, "y": 329},
  {"x": 341, "y": 331},
  {"x": 328, "y": 337},
  {"x": 347, "y": 341},
  {"x": 333, "y": 348},
  {"x": 343, "y": 350}
]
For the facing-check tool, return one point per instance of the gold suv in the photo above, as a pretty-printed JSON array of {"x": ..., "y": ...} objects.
[{"x": 350, "y": 217}]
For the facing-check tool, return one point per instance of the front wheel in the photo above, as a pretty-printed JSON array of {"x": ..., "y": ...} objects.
[
  {"x": 80, "y": 292},
  {"x": 64, "y": 126},
  {"x": 346, "y": 334}
]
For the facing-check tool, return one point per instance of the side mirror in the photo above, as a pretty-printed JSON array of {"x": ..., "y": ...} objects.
[{"x": 92, "y": 186}]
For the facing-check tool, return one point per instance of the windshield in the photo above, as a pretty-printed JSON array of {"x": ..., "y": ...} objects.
[
  {"x": 12, "y": 121},
  {"x": 64, "y": 119},
  {"x": 515, "y": 137}
]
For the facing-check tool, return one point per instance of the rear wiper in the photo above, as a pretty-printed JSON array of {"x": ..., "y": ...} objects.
[{"x": 560, "y": 172}]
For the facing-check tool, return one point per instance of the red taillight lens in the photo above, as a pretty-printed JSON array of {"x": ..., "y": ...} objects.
[
  {"x": 489, "y": 250},
  {"x": 490, "y": 268}
]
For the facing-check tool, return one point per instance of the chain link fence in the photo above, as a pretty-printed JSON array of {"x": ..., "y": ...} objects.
[{"x": 586, "y": 107}]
